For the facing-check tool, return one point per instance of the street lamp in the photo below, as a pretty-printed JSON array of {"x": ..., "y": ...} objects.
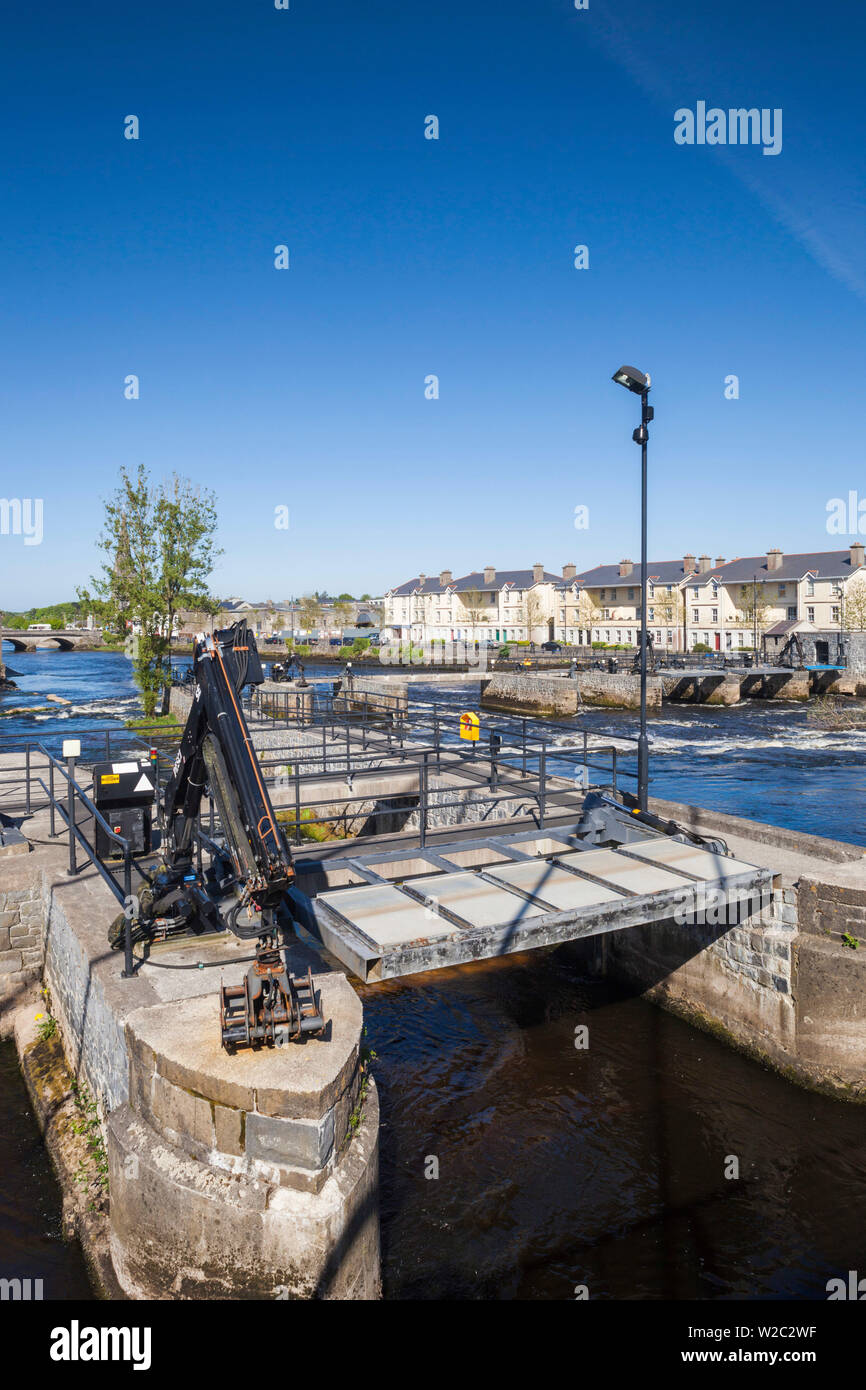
[{"x": 639, "y": 384}]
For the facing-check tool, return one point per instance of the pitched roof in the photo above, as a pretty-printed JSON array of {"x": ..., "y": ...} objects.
[
  {"x": 658, "y": 572},
  {"x": 518, "y": 579},
  {"x": 824, "y": 564}
]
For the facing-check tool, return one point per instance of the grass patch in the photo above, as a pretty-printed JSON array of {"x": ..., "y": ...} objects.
[
  {"x": 310, "y": 829},
  {"x": 166, "y": 723}
]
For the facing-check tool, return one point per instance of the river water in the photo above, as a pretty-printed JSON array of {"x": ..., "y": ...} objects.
[{"x": 559, "y": 1167}]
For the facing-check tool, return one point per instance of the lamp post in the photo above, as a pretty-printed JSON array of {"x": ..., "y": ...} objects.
[{"x": 639, "y": 384}]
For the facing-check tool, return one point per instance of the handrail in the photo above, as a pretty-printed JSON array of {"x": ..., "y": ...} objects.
[{"x": 74, "y": 791}]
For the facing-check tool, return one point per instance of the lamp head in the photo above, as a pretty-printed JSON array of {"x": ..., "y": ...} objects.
[{"x": 633, "y": 380}]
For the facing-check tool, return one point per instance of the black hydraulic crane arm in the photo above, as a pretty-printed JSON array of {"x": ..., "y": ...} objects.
[
  {"x": 216, "y": 754},
  {"x": 216, "y": 751}
]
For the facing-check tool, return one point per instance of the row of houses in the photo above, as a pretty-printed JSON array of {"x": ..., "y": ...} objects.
[
  {"x": 301, "y": 619},
  {"x": 724, "y": 605}
]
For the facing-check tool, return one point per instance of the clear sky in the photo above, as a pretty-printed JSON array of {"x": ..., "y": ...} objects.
[{"x": 409, "y": 257}]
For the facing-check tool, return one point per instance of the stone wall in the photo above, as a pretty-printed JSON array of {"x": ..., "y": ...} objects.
[
  {"x": 246, "y": 1176},
  {"x": 282, "y": 1156},
  {"x": 563, "y": 696},
  {"x": 22, "y": 917},
  {"x": 783, "y": 980}
]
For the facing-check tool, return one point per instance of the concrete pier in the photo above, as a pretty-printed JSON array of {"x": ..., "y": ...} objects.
[{"x": 245, "y": 1176}]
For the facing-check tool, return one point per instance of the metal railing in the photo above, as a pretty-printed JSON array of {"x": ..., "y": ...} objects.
[
  {"x": 513, "y": 761},
  {"x": 76, "y": 795}
]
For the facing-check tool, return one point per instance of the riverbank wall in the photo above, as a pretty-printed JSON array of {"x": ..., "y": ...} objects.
[{"x": 783, "y": 981}]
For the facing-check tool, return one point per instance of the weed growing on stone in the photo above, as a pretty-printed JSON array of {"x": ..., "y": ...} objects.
[{"x": 89, "y": 1127}]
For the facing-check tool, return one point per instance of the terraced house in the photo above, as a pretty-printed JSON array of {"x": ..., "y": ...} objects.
[
  {"x": 604, "y": 604},
  {"x": 817, "y": 591},
  {"x": 722, "y": 605},
  {"x": 486, "y": 605}
]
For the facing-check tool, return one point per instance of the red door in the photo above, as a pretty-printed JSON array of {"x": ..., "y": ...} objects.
[{"x": 718, "y": 641}]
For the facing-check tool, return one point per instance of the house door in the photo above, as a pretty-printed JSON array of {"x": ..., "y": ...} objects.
[
  {"x": 822, "y": 653},
  {"x": 718, "y": 641}
]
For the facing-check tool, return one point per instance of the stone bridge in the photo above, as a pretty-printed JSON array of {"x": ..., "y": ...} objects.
[{"x": 66, "y": 639}]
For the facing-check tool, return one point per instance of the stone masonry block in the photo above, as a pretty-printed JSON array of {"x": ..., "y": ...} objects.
[
  {"x": 302, "y": 1143},
  {"x": 229, "y": 1126},
  {"x": 182, "y": 1111}
]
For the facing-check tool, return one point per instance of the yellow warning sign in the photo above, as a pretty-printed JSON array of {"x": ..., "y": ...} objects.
[
  {"x": 469, "y": 726},
  {"x": 109, "y": 777}
]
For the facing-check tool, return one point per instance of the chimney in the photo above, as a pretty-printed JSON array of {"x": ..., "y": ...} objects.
[
  {"x": 537, "y": 574},
  {"x": 688, "y": 564},
  {"x": 720, "y": 560},
  {"x": 445, "y": 578},
  {"x": 489, "y": 574},
  {"x": 857, "y": 554},
  {"x": 774, "y": 558},
  {"x": 625, "y": 568},
  {"x": 704, "y": 564},
  {"x": 569, "y": 571},
  {"x": 422, "y": 580}
]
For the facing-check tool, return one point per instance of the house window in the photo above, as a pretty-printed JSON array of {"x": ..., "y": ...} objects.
[
  {"x": 792, "y": 613},
  {"x": 601, "y": 595},
  {"x": 781, "y": 589},
  {"x": 715, "y": 615},
  {"x": 810, "y": 615},
  {"x": 810, "y": 588},
  {"x": 631, "y": 594},
  {"x": 834, "y": 615},
  {"x": 696, "y": 617},
  {"x": 651, "y": 615}
]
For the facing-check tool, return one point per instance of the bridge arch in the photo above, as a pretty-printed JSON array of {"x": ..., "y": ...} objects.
[{"x": 16, "y": 643}]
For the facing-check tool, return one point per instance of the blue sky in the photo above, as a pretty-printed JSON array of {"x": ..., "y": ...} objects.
[{"x": 305, "y": 388}]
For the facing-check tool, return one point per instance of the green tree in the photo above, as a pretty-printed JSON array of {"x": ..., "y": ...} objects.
[
  {"x": 852, "y": 606},
  {"x": 159, "y": 540},
  {"x": 755, "y": 610},
  {"x": 309, "y": 613},
  {"x": 473, "y": 602},
  {"x": 342, "y": 614}
]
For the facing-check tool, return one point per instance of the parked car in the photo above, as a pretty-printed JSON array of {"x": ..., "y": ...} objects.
[{"x": 551, "y": 646}]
